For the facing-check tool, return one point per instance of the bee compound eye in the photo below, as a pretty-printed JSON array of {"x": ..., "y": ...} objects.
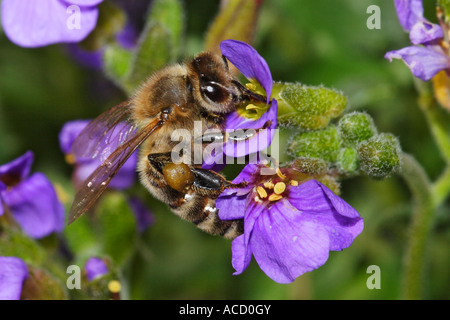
[{"x": 214, "y": 92}]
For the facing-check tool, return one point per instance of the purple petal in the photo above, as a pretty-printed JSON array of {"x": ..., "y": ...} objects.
[
  {"x": 35, "y": 206},
  {"x": 128, "y": 37},
  {"x": 262, "y": 137},
  {"x": 249, "y": 63},
  {"x": 16, "y": 170},
  {"x": 241, "y": 249},
  {"x": 30, "y": 23},
  {"x": 424, "y": 31},
  {"x": 87, "y": 58},
  {"x": 213, "y": 157},
  {"x": 2, "y": 208},
  {"x": 232, "y": 202},
  {"x": 69, "y": 132},
  {"x": 126, "y": 176},
  {"x": 144, "y": 217},
  {"x": 231, "y": 207},
  {"x": 286, "y": 245},
  {"x": 319, "y": 204},
  {"x": 424, "y": 62},
  {"x": 248, "y": 175},
  {"x": 88, "y": 3},
  {"x": 242, "y": 255},
  {"x": 409, "y": 12},
  {"x": 13, "y": 272},
  {"x": 95, "y": 268}
]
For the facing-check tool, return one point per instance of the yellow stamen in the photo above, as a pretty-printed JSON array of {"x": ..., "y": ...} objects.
[
  {"x": 114, "y": 286},
  {"x": 275, "y": 197},
  {"x": 70, "y": 158},
  {"x": 250, "y": 86},
  {"x": 279, "y": 187},
  {"x": 280, "y": 174},
  {"x": 294, "y": 183},
  {"x": 262, "y": 192},
  {"x": 268, "y": 185}
]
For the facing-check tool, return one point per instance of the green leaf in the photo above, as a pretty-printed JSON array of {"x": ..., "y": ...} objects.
[
  {"x": 116, "y": 227},
  {"x": 83, "y": 239},
  {"x": 15, "y": 243},
  {"x": 170, "y": 15},
  {"x": 42, "y": 285},
  {"x": 117, "y": 63}
]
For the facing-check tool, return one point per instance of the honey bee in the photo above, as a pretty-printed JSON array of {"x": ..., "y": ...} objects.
[{"x": 202, "y": 89}]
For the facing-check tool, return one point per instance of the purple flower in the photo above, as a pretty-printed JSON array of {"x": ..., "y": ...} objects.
[
  {"x": 124, "y": 179},
  {"x": 248, "y": 61},
  {"x": 261, "y": 117},
  {"x": 426, "y": 58},
  {"x": 13, "y": 272},
  {"x": 31, "y": 23},
  {"x": 95, "y": 267},
  {"x": 289, "y": 225},
  {"x": 144, "y": 217},
  {"x": 31, "y": 200}
]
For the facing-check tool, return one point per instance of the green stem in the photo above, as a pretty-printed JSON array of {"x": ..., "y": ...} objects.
[
  {"x": 441, "y": 188},
  {"x": 438, "y": 120},
  {"x": 419, "y": 184}
]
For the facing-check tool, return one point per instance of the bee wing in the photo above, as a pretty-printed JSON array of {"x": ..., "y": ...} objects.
[
  {"x": 97, "y": 182},
  {"x": 103, "y": 134}
]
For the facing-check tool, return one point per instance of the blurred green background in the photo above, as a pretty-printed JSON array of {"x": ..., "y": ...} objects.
[{"x": 312, "y": 42}]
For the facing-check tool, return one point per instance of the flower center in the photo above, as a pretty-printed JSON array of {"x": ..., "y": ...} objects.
[
  {"x": 274, "y": 189},
  {"x": 10, "y": 179}
]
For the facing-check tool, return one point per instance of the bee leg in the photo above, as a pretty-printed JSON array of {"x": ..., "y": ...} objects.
[
  {"x": 159, "y": 160},
  {"x": 211, "y": 183}
]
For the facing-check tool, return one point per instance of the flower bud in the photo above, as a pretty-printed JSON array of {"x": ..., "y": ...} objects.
[
  {"x": 347, "y": 161},
  {"x": 379, "y": 156},
  {"x": 331, "y": 183},
  {"x": 321, "y": 144},
  {"x": 356, "y": 127},
  {"x": 310, "y": 166},
  {"x": 235, "y": 20},
  {"x": 307, "y": 107},
  {"x": 159, "y": 42}
]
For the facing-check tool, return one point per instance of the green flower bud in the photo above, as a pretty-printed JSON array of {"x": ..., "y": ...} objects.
[
  {"x": 356, "y": 127},
  {"x": 330, "y": 183},
  {"x": 116, "y": 63},
  {"x": 159, "y": 42},
  {"x": 379, "y": 156},
  {"x": 347, "y": 161},
  {"x": 235, "y": 20},
  {"x": 321, "y": 144},
  {"x": 307, "y": 107},
  {"x": 310, "y": 166}
]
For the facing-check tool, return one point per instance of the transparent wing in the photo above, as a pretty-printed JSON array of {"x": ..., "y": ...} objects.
[
  {"x": 105, "y": 133},
  {"x": 97, "y": 182}
]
